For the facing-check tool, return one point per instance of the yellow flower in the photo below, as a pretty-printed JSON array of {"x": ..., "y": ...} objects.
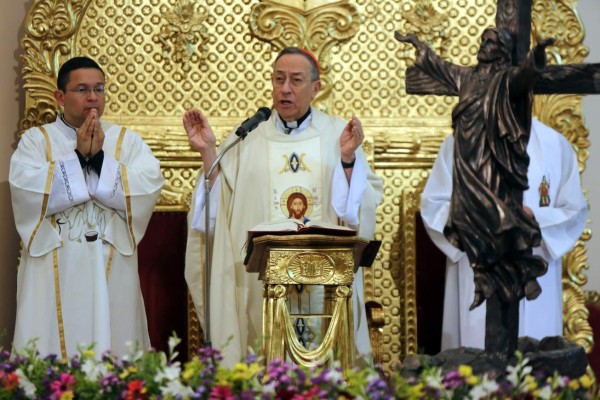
[
  {"x": 416, "y": 391},
  {"x": 465, "y": 371},
  {"x": 191, "y": 369},
  {"x": 574, "y": 384},
  {"x": 88, "y": 353},
  {"x": 530, "y": 382},
  {"x": 68, "y": 395},
  {"x": 586, "y": 381},
  {"x": 244, "y": 372},
  {"x": 130, "y": 370},
  {"x": 472, "y": 380},
  {"x": 223, "y": 376}
]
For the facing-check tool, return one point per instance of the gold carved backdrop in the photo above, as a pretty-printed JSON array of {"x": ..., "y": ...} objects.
[{"x": 165, "y": 56}]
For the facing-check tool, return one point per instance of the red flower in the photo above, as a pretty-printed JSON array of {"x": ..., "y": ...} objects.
[
  {"x": 313, "y": 393},
  {"x": 9, "y": 382},
  {"x": 136, "y": 390}
]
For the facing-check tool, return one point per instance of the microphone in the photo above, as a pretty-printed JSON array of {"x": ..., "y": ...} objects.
[{"x": 251, "y": 123}]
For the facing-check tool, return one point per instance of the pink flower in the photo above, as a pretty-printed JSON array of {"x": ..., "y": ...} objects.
[
  {"x": 62, "y": 385},
  {"x": 221, "y": 393}
]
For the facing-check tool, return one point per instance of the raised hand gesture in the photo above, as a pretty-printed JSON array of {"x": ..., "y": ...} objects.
[
  {"x": 351, "y": 138},
  {"x": 199, "y": 132}
]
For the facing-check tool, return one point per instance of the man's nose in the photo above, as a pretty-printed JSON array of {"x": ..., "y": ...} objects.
[{"x": 286, "y": 87}]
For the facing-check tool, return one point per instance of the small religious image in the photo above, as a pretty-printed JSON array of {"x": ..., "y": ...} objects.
[
  {"x": 544, "y": 191},
  {"x": 297, "y": 203}
]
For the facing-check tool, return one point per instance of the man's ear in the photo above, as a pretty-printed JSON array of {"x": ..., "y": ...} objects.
[
  {"x": 59, "y": 97},
  {"x": 316, "y": 88}
]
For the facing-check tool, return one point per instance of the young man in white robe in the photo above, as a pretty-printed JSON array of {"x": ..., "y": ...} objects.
[
  {"x": 553, "y": 169},
  {"x": 83, "y": 191},
  {"x": 298, "y": 150}
]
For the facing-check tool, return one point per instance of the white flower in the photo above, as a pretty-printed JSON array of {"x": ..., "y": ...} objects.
[
  {"x": 93, "y": 370},
  {"x": 513, "y": 375},
  {"x": 175, "y": 388},
  {"x": 545, "y": 393},
  {"x": 334, "y": 376},
  {"x": 435, "y": 380},
  {"x": 269, "y": 388},
  {"x": 173, "y": 342},
  {"x": 25, "y": 384},
  {"x": 485, "y": 388},
  {"x": 170, "y": 373}
]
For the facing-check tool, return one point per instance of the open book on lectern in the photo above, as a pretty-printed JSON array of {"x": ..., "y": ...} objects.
[{"x": 296, "y": 227}]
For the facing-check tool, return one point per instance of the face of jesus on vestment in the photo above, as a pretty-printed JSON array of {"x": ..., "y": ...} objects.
[
  {"x": 297, "y": 208},
  {"x": 293, "y": 88}
]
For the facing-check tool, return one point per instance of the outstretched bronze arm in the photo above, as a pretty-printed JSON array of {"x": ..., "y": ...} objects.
[{"x": 413, "y": 39}]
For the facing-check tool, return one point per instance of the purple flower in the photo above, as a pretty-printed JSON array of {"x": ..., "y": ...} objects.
[
  {"x": 378, "y": 389},
  {"x": 453, "y": 380}
]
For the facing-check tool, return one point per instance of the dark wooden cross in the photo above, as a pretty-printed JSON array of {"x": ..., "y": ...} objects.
[{"x": 514, "y": 16}]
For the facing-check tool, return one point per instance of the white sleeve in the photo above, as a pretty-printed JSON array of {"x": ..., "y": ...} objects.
[
  {"x": 68, "y": 187},
  {"x": 198, "y": 216},
  {"x": 346, "y": 198},
  {"x": 108, "y": 188},
  {"x": 435, "y": 200}
]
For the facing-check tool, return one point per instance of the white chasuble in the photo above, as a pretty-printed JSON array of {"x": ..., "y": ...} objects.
[{"x": 259, "y": 175}]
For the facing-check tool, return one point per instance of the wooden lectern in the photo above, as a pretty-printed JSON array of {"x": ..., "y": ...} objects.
[{"x": 285, "y": 260}]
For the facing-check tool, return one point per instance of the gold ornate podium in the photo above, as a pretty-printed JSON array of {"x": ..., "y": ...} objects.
[{"x": 309, "y": 259}]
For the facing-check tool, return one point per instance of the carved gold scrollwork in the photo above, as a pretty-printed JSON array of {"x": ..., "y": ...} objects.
[
  {"x": 313, "y": 25},
  {"x": 183, "y": 34},
  {"x": 49, "y": 29},
  {"x": 576, "y": 327},
  {"x": 559, "y": 19},
  {"x": 429, "y": 24}
]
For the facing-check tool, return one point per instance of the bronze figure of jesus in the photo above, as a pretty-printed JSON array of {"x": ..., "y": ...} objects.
[{"x": 491, "y": 125}]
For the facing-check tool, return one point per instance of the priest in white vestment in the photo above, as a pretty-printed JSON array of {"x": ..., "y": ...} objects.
[
  {"x": 298, "y": 150},
  {"x": 557, "y": 202},
  {"x": 83, "y": 191}
]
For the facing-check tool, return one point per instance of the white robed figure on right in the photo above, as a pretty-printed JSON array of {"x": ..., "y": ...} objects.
[{"x": 559, "y": 206}]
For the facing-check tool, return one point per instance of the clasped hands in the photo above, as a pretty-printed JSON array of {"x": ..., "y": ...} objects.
[{"x": 90, "y": 136}]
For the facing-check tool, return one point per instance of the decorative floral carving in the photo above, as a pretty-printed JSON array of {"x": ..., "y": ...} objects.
[
  {"x": 49, "y": 30},
  {"x": 183, "y": 35},
  {"x": 429, "y": 24},
  {"x": 312, "y": 25}
]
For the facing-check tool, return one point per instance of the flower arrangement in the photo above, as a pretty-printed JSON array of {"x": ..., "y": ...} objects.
[{"x": 156, "y": 375}]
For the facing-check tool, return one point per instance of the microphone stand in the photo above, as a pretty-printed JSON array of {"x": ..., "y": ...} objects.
[{"x": 207, "y": 252}]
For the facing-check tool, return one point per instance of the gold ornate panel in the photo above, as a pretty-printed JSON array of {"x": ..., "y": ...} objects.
[{"x": 165, "y": 56}]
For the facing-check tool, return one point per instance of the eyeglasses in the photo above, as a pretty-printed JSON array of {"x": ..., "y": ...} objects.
[
  {"x": 85, "y": 90},
  {"x": 296, "y": 81}
]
